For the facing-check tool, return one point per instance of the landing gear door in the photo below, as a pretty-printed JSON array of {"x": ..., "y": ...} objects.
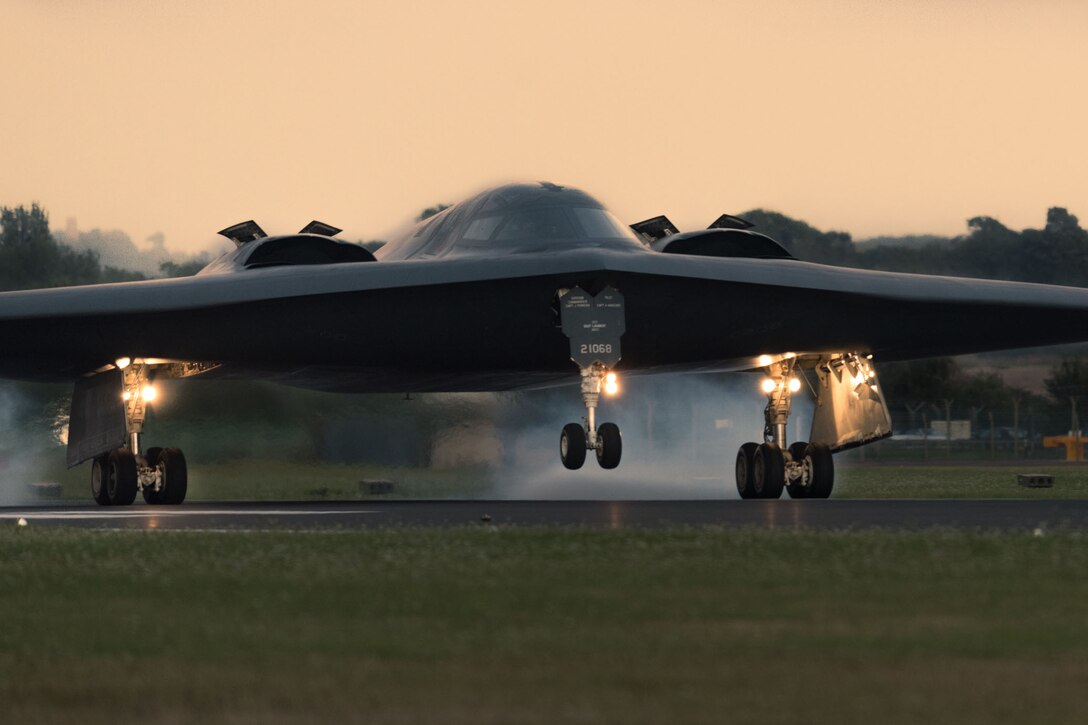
[
  {"x": 594, "y": 325},
  {"x": 97, "y": 421},
  {"x": 850, "y": 407}
]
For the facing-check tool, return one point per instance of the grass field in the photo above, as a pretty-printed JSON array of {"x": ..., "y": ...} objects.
[{"x": 496, "y": 625}]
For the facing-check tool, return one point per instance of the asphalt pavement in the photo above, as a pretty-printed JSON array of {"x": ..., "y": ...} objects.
[{"x": 1026, "y": 514}]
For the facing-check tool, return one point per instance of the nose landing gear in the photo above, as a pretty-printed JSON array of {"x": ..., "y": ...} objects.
[
  {"x": 594, "y": 324},
  {"x": 576, "y": 438}
]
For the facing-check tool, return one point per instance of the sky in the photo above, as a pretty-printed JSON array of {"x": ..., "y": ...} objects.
[{"x": 868, "y": 117}]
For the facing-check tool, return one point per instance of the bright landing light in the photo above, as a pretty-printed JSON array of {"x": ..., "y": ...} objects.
[
  {"x": 148, "y": 393},
  {"x": 795, "y": 385},
  {"x": 768, "y": 385},
  {"x": 611, "y": 384}
]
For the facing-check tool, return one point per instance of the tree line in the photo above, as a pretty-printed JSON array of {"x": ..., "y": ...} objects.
[
  {"x": 1055, "y": 254},
  {"x": 31, "y": 257}
]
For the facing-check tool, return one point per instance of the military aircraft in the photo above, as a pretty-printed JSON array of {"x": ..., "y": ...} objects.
[{"x": 521, "y": 286}]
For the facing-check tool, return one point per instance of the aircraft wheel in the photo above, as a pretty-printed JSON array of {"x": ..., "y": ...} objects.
[
  {"x": 745, "y": 486},
  {"x": 609, "y": 445},
  {"x": 175, "y": 476},
  {"x": 121, "y": 487},
  {"x": 768, "y": 471},
  {"x": 572, "y": 446},
  {"x": 818, "y": 456},
  {"x": 799, "y": 488},
  {"x": 152, "y": 496},
  {"x": 100, "y": 480}
]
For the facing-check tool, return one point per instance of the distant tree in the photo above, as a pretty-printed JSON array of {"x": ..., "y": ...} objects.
[
  {"x": 929, "y": 258},
  {"x": 30, "y": 257},
  {"x": 920, "y": 384},
  {"x": 984, "y": 391},
  {"x": 802, "y": 240},
  {"x": 116, "y": 274},
  {"x": 431, "y": 211},
  {"x": 1067, "y": 383},
  {"x": 989, "y": 250},
  {"x": 183, "y": 269}
]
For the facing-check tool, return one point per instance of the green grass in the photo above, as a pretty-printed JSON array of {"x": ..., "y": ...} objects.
[{"x": 496, "y": 625}]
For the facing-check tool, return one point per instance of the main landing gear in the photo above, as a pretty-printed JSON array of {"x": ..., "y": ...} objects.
[
  {"x": 804, "y": 470},
  {"x": 160, "y": 474},
  {"x": 577, "y": 438}
]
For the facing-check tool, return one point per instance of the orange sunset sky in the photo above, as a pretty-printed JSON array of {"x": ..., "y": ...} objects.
[{"x": 870, "y": 117}]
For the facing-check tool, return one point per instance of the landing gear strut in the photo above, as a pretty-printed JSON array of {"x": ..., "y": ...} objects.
[
  {"x": 118, "y": 475},
  {"x": 763, "y": 470},
  {"x": 594, "y": 324},
  {"x": 577, "y": 438}
]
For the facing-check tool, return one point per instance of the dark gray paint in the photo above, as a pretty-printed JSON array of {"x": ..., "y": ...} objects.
[{"x": 441, "y": 312}]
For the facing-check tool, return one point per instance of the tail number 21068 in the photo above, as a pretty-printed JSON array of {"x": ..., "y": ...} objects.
[{"x": 596, "y": 348}]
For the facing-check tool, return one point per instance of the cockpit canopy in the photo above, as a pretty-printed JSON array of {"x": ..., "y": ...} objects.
[{"x": 512, "y": 219}]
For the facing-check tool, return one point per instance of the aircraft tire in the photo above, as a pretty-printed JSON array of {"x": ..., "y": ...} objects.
[
  {"x": 152, "y": 496},
  {"x": 121, "y": 487},
  {"x": 175, "y": 476},
  {"x": 797, "y": 453},
  {"x": 572, "y": 446},
  {"x": 768, "y": 471},
  {"x": 100, "y": 480},
  {"x": 819, "y": 457},
  {"x": 609, "y": 445},
  {"x": 744, "y": 470}
]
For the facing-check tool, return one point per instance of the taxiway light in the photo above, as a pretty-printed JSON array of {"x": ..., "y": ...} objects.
[
  {"x": 148, "y": 393},
  {"x": 768, "y": 385},
  {"x": 795, "y": 385},
  {"x": 611, "y": 384},
  {"x": 122, "y": 363}
]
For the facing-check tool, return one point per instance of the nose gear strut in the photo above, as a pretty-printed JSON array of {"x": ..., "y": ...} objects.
[{"x": 594, "y": 325}]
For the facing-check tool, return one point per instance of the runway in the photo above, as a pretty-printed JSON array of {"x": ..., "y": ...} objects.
[{"x": 346, "y": 515}]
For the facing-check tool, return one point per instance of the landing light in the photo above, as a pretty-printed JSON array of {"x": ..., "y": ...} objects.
[
  {"x": 148, "y": 393},
  {"x": 768, "y": 385},
  {"x": 795, "y": 385},
  {"x": 122, "y": 363},
  {"x": 764, "y": 360},
  {"x": 611, "y": 384}
]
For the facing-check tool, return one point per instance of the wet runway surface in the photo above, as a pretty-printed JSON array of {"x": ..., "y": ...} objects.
[{"x": 783, "y": 514}]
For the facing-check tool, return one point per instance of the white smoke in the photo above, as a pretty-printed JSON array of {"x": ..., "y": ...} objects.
[
  {"x": 681, "y": 434},
  {"x": 33, "y": 426}
]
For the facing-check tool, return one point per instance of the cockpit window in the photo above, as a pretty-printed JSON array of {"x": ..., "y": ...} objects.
[
  {"x": 600, "y": 224},
  {"x": 481, "y": 229},
  {"x": 544, "y": 223}
]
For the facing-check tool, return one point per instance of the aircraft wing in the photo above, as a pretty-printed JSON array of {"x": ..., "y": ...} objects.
[{"x": 474, "y": 323}]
